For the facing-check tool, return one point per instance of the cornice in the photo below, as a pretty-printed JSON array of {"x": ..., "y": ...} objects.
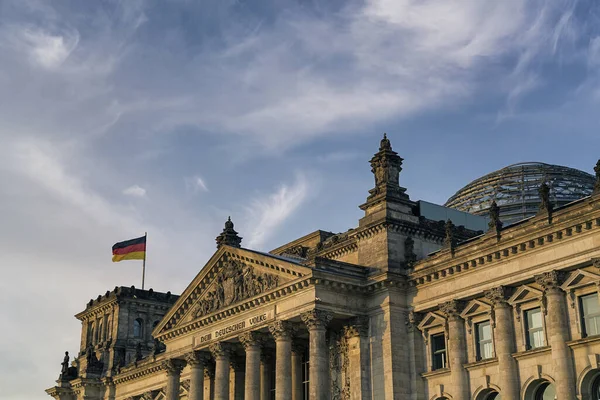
[
  {"x": 138, "y": 372},
  {"x": 496, "y": 252}
]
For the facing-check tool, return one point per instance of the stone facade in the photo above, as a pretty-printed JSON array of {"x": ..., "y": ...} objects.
[{"x": 399, "y": 307}]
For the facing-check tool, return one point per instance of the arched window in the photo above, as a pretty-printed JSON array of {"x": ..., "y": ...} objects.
[
  {"x": 138, "y": 328},
  {"x": 546, "y": 391},
  {"x": 493, "y": 396},
  {"x": 596, "y": 389}
]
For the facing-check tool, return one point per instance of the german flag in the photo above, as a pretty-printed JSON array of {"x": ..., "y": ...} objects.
[{"x": 134, "y": 249}]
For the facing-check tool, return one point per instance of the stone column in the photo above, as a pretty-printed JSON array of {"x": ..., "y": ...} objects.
[
  {"x": 558, "y": 333},
  {"x": 504, "y": 343},
  {"x": 316, "y": 321},
  {"x": 265, "y": 376},
  {"x": 283, "y": 331},
  {"x": 222, "y": 354},
  {"x": 173, "y": 368},
  {"x": 457, "y": 349},
  {"x": 357, "y": 336},
  {"x": 297, "y": 353},
  {"x": 197, "y": 361},
  {"x": 252, "y": 344}
]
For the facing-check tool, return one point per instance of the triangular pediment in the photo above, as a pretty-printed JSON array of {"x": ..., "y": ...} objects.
[
  {"x": 232, "y": 277},
  {"x": 430, "y": 320},
  {"x": 475, "y": 307},
  {"x": 525, "y": 293},
  {"x": 580, "y": 278}
]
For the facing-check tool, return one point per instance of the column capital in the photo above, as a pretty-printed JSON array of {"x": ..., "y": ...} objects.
[
  {"x": 357, "y": 326},
  {"x": 251, "y": 339},
  {"x": 452, "y": 308},
  {"x": 498, "y": 295},
  {"x": 551, "y": 280},
  {"x": 197, "y": 358},
  {"x": 282, "y": 330},
  {"x": 220, "y": 349},
  {"x": 173, "y": 366},
  {"x": 316, "y": 319}
]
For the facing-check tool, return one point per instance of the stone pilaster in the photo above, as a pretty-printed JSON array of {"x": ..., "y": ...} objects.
[
  {"x": 222, "y": 354},
  {"x": 197, "y": 362},
  {"x": 283, "y": 332},
  {"x": 297, "y": 353},
  {"x": 252, "y": 342},
  {"x": 357, "y": 336},
  {"x": 504, "y": 343},
  {"x": 316, "y": 321},
  {"x": 457, "y": 349},
  {"x": 173, "y": 368},
  {"x": 558, "y": 333}
]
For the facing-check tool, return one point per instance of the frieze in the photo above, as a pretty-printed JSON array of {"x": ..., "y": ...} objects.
[
  {"x": 234, "y": 282},
  {"x": 222, "y": 331}
]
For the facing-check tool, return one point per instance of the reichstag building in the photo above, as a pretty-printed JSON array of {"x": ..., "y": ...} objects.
[{"x": 417, "y": 302}]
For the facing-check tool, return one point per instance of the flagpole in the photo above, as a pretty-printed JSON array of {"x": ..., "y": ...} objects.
[{"x": 144, "y": 262}]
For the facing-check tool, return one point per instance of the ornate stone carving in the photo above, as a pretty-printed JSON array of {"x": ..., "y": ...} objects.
[
  {"x": 173, "y": 366},
  {"x": 386, "y": 166},
  {"x": 297, "y": 251},
  {"x": 413, "y": 319},
  {"x": 316, "y": 319},
  {"x": 452, "y": 308},
  {"x": 221, "y": 349},
  {"x": 282, "y": 329},
  {"x": 597, "y": 184},
  {"x": 345, "y": 359},
  {"x": 229, "y": 236},
  {"x": 251, "y": 339},
  {"x": 357, "y": 326},
  {"x": 596, "y": 262},
  {"x": 335, "y": 364},
  {"x": 235, "y": 282},
  {"x": 498, "y": 295},
  {"x": 551, "y": 280},
  {"x": 410, "y": 257},
  {"x": 495, "y": 225},
  {"x": 545, "y": 204},
  {"x": 449, "y": 240},
  {"x": 197, "y": 358}
]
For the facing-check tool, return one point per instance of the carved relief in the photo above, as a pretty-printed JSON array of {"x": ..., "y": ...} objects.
[
  {"x": 345, "y": 359},
  {"x": 235, "y": 282}
]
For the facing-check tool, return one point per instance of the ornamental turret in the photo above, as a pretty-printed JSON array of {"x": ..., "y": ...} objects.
[{"x": 229, "y": 236}]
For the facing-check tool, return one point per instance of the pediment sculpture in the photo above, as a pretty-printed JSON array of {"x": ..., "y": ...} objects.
[{"x": 235, "y": 282}]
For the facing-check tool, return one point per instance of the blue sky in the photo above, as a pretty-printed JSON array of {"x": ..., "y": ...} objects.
[{"x": 123, "y": 117}]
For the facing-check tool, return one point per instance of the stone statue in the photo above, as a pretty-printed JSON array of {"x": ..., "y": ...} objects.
[
  {"x": 495, "y": 224},
  {"x": 138, "y": 352},
  {"x": 597, "y": 171},
  {"x": 65, "y": 365},
  {"x": 449, "y": 241},
  {"x": 544, "y": 193}
]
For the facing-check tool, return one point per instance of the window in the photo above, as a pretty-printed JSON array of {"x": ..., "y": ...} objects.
[
  {"x": 590, "y": 312},
  {"x": 138, "y": 326},
  {"x": 546, "y": 391},
  {"x": 535, "y": 330},
  {"x": 305, "y": 376},
  {"x": 438, "y": 351},
  {"x": 493, "y": 396},
  {"x": 483, "y": 337}
]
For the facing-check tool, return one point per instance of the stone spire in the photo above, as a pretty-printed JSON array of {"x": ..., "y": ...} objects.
[
  {"x": 386, "y": 165},
  {"x": 597, "y": 185},
  {"x": 229, "y": 236}
]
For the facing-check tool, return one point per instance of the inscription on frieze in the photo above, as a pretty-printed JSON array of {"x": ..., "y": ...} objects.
[{"x": 231, "y": 328}]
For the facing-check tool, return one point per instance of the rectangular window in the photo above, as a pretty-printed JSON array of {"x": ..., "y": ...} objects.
[
  {"x": 305, "y": 375},
  {"x": 590, "y": 313},
  {"x": 438, "y": 351},
  {"x": 535, "y": 329},
  {"x": 483, "y": 337}
]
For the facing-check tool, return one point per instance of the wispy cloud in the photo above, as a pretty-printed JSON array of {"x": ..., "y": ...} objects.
[
  {"x": 195, "y": 184},
  {"x": 135, "y": 191},
  {"x": 266, "y": 214}
]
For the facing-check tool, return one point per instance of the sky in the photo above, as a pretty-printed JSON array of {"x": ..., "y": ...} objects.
[{"x": 124, "y": 117}]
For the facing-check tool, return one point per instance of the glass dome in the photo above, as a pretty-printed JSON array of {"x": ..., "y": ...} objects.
[{"x": 515, "y": 189}]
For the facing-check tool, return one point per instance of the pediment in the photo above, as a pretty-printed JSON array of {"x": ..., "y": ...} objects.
[
  {"x": 580, "y": 278},
  {"x": 430, "y": 320},
  {"x": 474, "y": 308},
  {"x": 232, "y": 277},
  {"x": 525, "y": 293}
]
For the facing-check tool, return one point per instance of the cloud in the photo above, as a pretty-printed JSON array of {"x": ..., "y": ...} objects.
[
  {"x": 135, "y": 191},
  {"x": 266, "y": 213},
  {"x": 195, "y": 183}
]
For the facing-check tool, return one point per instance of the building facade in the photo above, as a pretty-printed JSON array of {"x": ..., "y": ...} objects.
[{"x": 400, "y": 307}]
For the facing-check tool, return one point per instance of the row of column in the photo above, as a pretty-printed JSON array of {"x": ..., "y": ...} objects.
[
  {"x": 288, "y": 374},
  {"x": 558, "y": 335}
]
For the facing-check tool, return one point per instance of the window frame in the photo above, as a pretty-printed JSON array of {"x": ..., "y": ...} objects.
[
  {"x": 526, "y": 328},
  {"x": 583, "y": 317},
  {"x": 478, "y": 355},
  {"x": 141, "y": 325},
  {"x": 434, "y": 352}
]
